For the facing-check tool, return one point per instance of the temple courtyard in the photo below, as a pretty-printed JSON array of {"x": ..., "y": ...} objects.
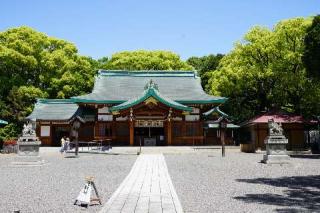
[{"x": 163, "y": 179}]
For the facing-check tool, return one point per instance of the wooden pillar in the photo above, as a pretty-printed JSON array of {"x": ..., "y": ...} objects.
[
  {"x": 113, "y": 128},
  {"x": 169, "y": 136},
  {"x": 184, "y": 130},
  {"x": 94, "y": 129},
  {"x": 51, "y": 135},
  {"x": 200, "y": 131},
  {"x": 169, "y": 128},
  {"x": 131, "y": 126}
]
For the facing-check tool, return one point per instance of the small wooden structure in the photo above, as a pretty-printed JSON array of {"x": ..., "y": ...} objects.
[
  {"x": 212, "y": 126},
  {"x": 255, "y": 130}
]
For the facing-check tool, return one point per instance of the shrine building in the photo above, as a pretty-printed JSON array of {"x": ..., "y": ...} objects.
[{"x": 129, "y": 107}]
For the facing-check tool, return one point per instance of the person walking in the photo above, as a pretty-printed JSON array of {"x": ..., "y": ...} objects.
[
  {"x": 67, "y": 145},
  {"x": 63, "y": 141}
]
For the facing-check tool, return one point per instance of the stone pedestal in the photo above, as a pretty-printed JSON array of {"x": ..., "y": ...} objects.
[
  {"x": 276, "y": 150},
  {"x": 28, "y": 151}
]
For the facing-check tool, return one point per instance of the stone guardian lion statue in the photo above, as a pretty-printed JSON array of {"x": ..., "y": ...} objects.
[{"x": 274, "y": 128}]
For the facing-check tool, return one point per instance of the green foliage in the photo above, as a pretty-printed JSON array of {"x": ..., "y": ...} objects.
[
  {"x": 265, "y": 71},
  {"x": 32, "y": 58},
  {"x": 9, "y": 131},
  {"x": 34, "y": 65},
  {"x": 102, "y": 62},
  {"x": 204, "y": 65},
  {"x": 310, "y": 102},
  {"x": 311, "y": 57},
  {"x": 21, "y": 100},
  {"x": 145, "y": 60}
]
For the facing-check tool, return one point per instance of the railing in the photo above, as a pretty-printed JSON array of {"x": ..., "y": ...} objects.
[{"x": 98, "y": 143}]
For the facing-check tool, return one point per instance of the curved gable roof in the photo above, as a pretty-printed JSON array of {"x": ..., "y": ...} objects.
[
  {"x": 120, "y": 86},
  {"x": 151, "y": 91}
]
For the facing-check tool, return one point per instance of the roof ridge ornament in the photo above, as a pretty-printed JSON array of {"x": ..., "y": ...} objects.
[{"x": 151, "y": 85}]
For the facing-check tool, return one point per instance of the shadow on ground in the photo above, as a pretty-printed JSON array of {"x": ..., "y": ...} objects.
[
  {"x": 314, "y": 156},
  {"x": 300, "y": 193}
]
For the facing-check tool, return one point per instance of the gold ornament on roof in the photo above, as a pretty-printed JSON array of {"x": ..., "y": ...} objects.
[{"x": 151, "y": 100}]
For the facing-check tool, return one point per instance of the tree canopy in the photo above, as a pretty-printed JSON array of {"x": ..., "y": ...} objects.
[
  {"x": 34, "y": 65},
  {"x": 265, "y": 72},
  {"x": 204, "y": 65},
  {"x": 29, "y": 57},
  {"x": 311, "y": 56},
  {"x": 145, "y": 60}
]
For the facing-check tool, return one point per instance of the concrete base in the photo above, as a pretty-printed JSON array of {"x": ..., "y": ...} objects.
[
  {"x": 28, "y": 161},
  {"x": 276, "y": 159}
]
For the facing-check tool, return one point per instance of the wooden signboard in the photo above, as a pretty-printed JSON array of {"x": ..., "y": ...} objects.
[
  {"x": 84, "y": 196},
  {"x": 149, "y": 123}
]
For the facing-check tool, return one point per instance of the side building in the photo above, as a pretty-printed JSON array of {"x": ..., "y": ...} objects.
[
  {"x": 154, "y": 107},
  {"x": 295, "y": 129}
]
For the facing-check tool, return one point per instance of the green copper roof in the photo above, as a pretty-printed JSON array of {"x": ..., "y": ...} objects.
[
  {"x": 3, "y": 122},
  {"x": 215, "y": 110},
  {"x": 53, "y": 109},
  {"x": 116, "y": 87},
  {"x": 151, "y": 90},
  {"x": 148, "y": 73},
  {"x": 55, "y": 101}
]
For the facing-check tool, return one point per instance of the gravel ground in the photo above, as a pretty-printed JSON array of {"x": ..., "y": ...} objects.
[
  {"x": 239, "y": 183},
  {"x": 54, "y": 187}
]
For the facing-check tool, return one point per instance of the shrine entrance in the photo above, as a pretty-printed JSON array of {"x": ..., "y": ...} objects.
[
  {"x": 58, "y": 133},
  {"x": 150, "y": 116},
  {"x": 149, "y": 133},
  {"x": 149, "y": 136}
]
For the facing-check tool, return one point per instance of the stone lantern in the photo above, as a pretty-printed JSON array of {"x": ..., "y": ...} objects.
[
  {"x": 76, "y": 123},
  {"x": 223, "y": 126}
]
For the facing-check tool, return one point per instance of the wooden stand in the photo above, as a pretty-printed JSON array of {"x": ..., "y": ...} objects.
[{"x": 84, "y": 196}]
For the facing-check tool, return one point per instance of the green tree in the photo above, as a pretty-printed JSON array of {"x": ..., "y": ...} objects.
[
  {"x": 311, "y": 57},
  {"x": 29, "y": 57},
  {"x": 204, "y": 65},
  {"x": 146, "y": 60},
  {"x": 34, "y": 65},
  {"x": 9, "y": 131},
  {"x": 102, "y": 62},
  {"x": 265, "y": 71},
  {"x": 21, "y": 100}
]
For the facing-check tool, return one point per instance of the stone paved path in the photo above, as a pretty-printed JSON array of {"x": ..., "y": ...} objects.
[{"x": 147, "y": 188}]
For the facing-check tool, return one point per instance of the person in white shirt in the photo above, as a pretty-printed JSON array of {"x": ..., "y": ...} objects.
[{"x": 63, "y": 141}]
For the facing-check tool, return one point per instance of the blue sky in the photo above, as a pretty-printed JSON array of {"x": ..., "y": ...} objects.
[{"x": 189, "y": 28}]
